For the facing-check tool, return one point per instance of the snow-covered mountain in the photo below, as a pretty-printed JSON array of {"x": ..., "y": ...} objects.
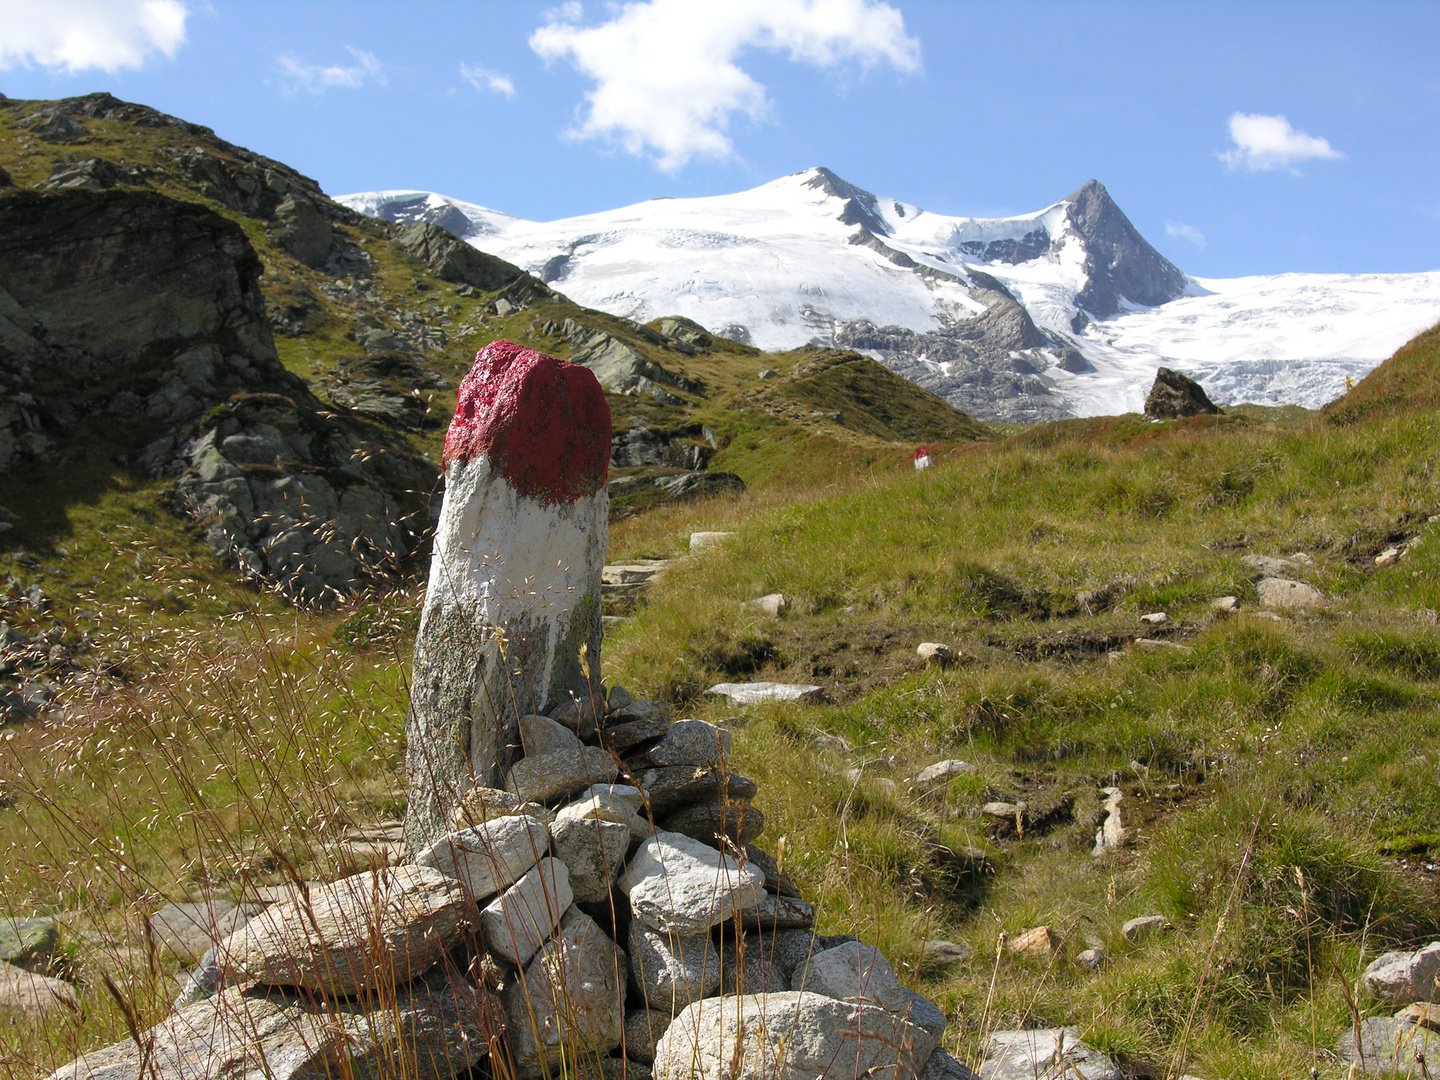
[{"x": 1067, "y": 311}]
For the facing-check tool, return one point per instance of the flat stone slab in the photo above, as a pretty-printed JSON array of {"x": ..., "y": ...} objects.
[
  {"x": 433, "y": 1030},
  {"x": 492, "y": 856},
  {"x": 789, "y": 1036},
  {"x": 1276, "y": 592},
  {"x": 755, "y": 693},
  {"x": 679, "y": 785},
  {"x": 522, "y": 918},
  {"x": 690, "y": 742},
  {"x": 1045, "y": 1054},
  {"x": 679, "y": 885},
  {"x": 943, "y": 770},
  {"x": 373, "y": 929}
]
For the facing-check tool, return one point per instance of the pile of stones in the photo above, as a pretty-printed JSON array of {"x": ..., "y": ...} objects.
[{"x": 604, "y": 914}]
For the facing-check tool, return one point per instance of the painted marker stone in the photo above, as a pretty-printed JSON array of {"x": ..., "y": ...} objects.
[{"x": 511, "y": 622}]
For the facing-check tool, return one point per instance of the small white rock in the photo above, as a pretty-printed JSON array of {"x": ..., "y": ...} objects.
[{"x": 1155, "y": 618}]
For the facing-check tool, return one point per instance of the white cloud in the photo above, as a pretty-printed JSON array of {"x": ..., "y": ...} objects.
[
  {"x": 1185, "y": 232},
  {"x": 485, "y": 79},
  {"x": 1269, "y": 142},
  {"x": 317, "y": 78},
  {"x": 77, "y": 35},
  {"x": 665, "y": 71}
]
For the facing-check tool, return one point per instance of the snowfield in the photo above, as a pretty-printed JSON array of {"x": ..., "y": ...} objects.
[{"x": 776, "y": 266}]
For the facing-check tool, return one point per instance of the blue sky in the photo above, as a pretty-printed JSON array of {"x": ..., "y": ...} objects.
[{"x": 986, "y": 109}]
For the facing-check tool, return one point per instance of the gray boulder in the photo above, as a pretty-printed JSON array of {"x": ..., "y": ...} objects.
[
  {"x": 570, "y": 1000},
  {"x": 1391, "y": 1046},
  {"x": 27, "y": 942},
  {"x": 643, "y": 1028},
  {"x": 789, "y": 1036},
  {"x": 593, "y": 850},
  {"x": 30, "y": 994},
  {"x": 689, "y": 742},
  {"x": 679, "y": 885},
  {"x": 372, "y": 929},
  {"x": 756, "y": 973},
  {"x": 1174, "y": 395},
  {"x": 560, "y": 772},
  {"x": 489, "y": 857},
  {"x": 739, "y": 822},
  {"x": 432, "y": 1030},
  {"x": 1275, "y": 592},
  {"x": 675, "y": 786},
  {"x": 945, "y": 1066},
  {"x": 1044, "y": 1054},
  {"x": 669, "y": 970},
  {"x": 855, "y": 972},
  {"x": 303, "y": 231},
  {"x": 451, "y": 259},
  {"x": 522, "y": 918},
  {"x": 1398, "y": 978}
]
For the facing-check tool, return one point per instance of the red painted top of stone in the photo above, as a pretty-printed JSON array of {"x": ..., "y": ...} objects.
[{"x": 543, "y": 423}]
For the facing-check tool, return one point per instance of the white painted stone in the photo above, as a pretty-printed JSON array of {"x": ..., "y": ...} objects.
[
  {"x": 489, "y": 857},
  {"x": 521, "y": 919},
  {"x": 677, "y": 884},
  {"x": 514, "y": 592}
]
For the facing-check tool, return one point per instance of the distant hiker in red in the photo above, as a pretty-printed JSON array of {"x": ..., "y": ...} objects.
[{"x": 922, "y": 457}]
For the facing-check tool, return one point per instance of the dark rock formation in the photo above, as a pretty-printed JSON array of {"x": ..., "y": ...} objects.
[
  {"x": 1175, "y": 395},
  {"x": 451, "y": 259},
  {"x": 136, "y": 319},
  {"x": 1119, "y": 264}
]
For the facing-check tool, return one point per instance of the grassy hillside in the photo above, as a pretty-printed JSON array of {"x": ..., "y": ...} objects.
[{"x": 1410, "y": 379}]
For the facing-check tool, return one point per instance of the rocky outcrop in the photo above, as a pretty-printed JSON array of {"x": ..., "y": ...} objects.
[
  {"x": 140, "y": 318},
  {"x": 451, "y": 259},
  {"x": 1119, "y": 263},
  {"x": 1175, "y": 395}
]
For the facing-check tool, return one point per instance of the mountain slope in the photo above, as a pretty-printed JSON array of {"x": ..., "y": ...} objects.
[{"x": 1067, "y": 311}]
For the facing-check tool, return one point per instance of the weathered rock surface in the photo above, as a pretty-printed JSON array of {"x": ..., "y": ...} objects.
[
  {"x": 776, "y": 913},
  {"x": 1175, "y": 395},
  {"x": 1391, "y": 1047},
  {"x": 776, "y": 880},
  {"x": 514, "y": 589},
  {"x": 855, "y": 971},
  {"x": 560, "y": 772},
  {"x": 669, "y": 970},
  {"x": 756, "y": 973},
  {"x": 1044, "y": 1054},
  {"x": 1276, "y": 592},
  {"x": 522, "y": 918},
  {"x": 943, "y": 770},
  {"x": 689, "y": 742},
  {"x": 27, "y": 942},
  {"x": 707, "y": 822},
  {"x": 643, "y": 1028},
  {"x": 757, "y": 692},
  {"x": 570, "y": 1001},
  {"x": 945, "y": 1066},
  {"x": 679, "y": 885},
  {"x": 593, "y": 850},
  {"x": 604, "y": 806},
  {"x": 489, "y": 857},
  {"x": 451, "y": 259},
  {"x": 679, "y": 785},
  {"x": 938, "y": 954},
  {"x": 36, "y": 995},
  {"x": 1038, "y": 943},
  {"x": 187, "y": 930},
  {"x": 434, "y": 1030},
  {"x": 789, "y": 1036},
  {"x": 373, "y": 929},
  {"x": 542, "y": 735},
  {"x": 792, "y": 950},
  {"x": 1398, "y": 978},
  {"x": 1145, "y": 926},
  {"x": 481, "y": 804}
]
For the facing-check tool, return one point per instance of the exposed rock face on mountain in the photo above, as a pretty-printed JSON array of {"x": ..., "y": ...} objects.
[
  {"x": 136, "y": 318},
  {"x": 1119, "y": 263},
  {"x": 453, "y": 260}
]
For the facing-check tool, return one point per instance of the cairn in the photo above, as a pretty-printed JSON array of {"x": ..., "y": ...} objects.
[{"x": 584, "y": 897}]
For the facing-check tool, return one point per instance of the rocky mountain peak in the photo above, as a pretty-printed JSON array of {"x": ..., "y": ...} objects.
[
  {"x": 861, "y": 207},
  {"x": 1120, "y": 263}
]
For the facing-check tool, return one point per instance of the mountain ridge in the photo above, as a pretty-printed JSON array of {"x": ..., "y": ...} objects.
[{"x": 1065, "y": 311}]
